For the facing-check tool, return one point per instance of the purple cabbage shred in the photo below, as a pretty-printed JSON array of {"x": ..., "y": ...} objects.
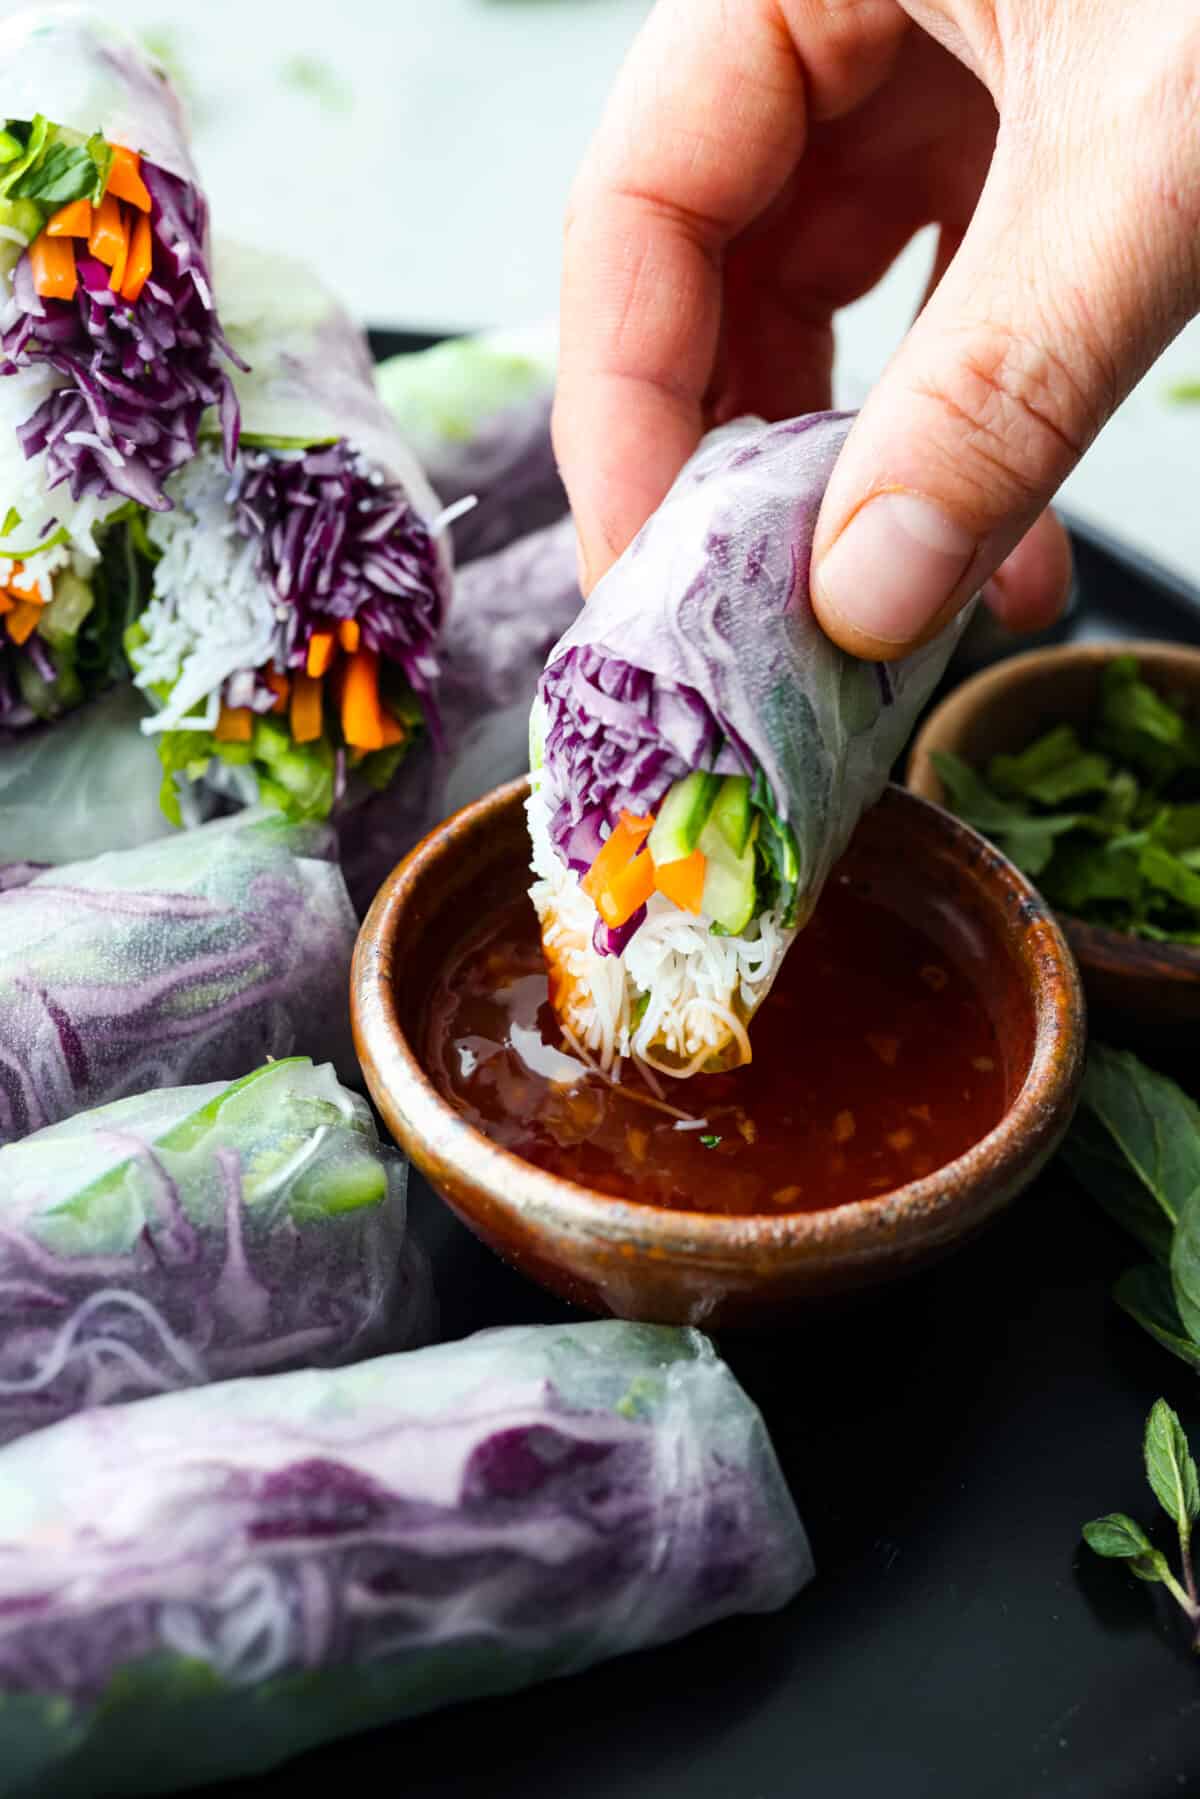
[
  {"x": 138, "y": 377},
  {"x": 339, "y": 542},
  {"x": 616, "y": 740}
]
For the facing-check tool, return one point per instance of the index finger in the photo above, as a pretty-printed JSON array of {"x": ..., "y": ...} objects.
[
  {"x": 702, "y": 130},
  {"x": 705, "y": 125}
]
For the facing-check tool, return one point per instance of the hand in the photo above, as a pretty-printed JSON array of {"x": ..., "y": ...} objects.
[{"x": 762, "y": 162}]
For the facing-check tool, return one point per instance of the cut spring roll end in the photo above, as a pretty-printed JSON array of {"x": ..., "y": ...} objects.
[{"x": 677, "y": 996}]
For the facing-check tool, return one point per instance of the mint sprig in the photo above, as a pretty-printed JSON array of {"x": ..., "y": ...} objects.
[{"x": 1171, "y": 1472}]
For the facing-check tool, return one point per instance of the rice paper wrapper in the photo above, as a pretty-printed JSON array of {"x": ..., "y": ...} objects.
[
  {"x": 476, "y": 411},
  {"x": 82, "y": 785},
  {"x": 194, "y": 1233},
  {"x": 712, "y": 595},
  {"x": 508, "y": 610},
  {"x": 83, "y": 72},
  {"x": 311, "y": 376},
  {"x": 201, "y": 1585},
  {"x": 191, "y": 959}
]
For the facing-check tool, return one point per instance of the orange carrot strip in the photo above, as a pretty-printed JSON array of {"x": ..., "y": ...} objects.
[
  {"x": 625, "y": 890},
  {"x": 140, "y": 263},
  {"x": 279, "y": 686},
  {"x": 22, "y": 621},
  {"x": 306, "y": 718},
  {"x": 125, "y": 178},
  {"x": 235, "y": 725},
  {"x": 6, "y": 601},
  {"x": 349, "y": 635},
  {"x": 116, "y": 280},
  {"x": 683, "y": 881},
  {"x": 620, "y": 848},
  {"x": 52, "y": 260},
  {"x": 107, "y": 240},
  {"x": 362, "y": 716},
  {"x": 320, "y": 653},
  {"x": 393, "y": 730},
  {"x": 33, "y": 595},
  {"x": 72, "y": 220}
]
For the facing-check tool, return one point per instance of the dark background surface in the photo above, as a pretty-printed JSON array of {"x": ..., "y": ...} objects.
[{"x": 944, "y": 1441}]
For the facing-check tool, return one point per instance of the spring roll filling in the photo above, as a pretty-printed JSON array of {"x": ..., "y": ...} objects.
[
  {"x": 667, "y": 889},
  {"x": 291, "y": 630}
]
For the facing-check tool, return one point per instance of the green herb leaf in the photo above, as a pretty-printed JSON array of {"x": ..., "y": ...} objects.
[
  {"x": 710, "y": 1142},
  {"x": 1136, "y": 1130},
  {"x": 777, "y": 855},
  {"x": 1120, "y": 1539},
  {"x": 1136, "y": 725},
  {"x": 65, "y": 172},
  {"x": 1053, "y": 769},
  {"x": 1171, "y": 876},
  {"x": 1145, "y": 1294},
  {"x": 1023, "y": 836},
  {"x": 1185, "y": 1265},
  {"x": 1170, "y": 1468}
]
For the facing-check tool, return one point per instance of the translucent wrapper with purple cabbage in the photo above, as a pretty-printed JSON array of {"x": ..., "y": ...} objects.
[
  {"x": 190, "y": 959},
  {"x": 509, "y": 609},
  {"x": 701, "y": 753},
  {"x": 111, "y": 352},
  {"x": 204, "y": 1584},
  {"x": 189, "y": 1234},
  {"x": 290, "y": 645},
  {"x": 476, "y": 411}
]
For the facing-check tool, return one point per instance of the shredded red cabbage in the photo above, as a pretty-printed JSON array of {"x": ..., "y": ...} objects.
[
  {"x": 338, "y": 541},
  {"x": 616, "y": 739},
  {"x": 139, "y": 377}
]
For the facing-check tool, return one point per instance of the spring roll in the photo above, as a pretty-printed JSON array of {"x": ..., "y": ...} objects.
[
  {"x": 191, "y": 959},
  {"x": 476, "y": 411},
  {"x": 701, "y": 753},
  {"x": 203, "y": 1584},
  {"x": 110, "y": 348},
  {"x": 290, "y": 643},
  {"x": 192, "y": 1233}
]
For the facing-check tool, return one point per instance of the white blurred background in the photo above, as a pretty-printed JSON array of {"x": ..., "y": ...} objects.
[{"x": 420, "y": 152}]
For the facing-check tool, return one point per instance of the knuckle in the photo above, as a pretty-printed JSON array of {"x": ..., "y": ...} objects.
[{"x": 1022, "y": 413}]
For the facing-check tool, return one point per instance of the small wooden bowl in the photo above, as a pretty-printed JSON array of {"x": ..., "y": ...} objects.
[
  {"x": 642, "y": 1262},
  {"x": 1139, "y": 993}
]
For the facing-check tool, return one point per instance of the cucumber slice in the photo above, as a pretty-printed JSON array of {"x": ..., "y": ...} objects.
[
  {"x": 732, "y": 813},
  {"x": 682, "y": 817},
  {"x": 728, "y": 896},
  {"x": 62, "y": 616}
]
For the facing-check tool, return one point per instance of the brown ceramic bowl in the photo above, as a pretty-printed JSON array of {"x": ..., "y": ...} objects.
[
  {"x": 686, "y": 1267},
  {"x": 1140, "y": 993}
]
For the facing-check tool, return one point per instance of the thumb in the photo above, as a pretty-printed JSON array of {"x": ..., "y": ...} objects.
[{"x": 1034, "y": 335}]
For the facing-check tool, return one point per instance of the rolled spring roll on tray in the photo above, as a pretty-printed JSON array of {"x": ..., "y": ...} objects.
[{"x": 204, "y": 1584}]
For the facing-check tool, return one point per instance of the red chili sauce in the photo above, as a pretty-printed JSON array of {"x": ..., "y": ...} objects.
[{"x": 875, "y": 1062}]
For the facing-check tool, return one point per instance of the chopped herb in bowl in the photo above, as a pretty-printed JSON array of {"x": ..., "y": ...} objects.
[{"x": 1107, "y": 824}]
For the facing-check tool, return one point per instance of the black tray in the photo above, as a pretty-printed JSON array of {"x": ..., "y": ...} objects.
[{"x": 944, "y": 1441}]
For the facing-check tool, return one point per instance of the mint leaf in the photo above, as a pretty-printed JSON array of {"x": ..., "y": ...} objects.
[
  {"x": 1145, "y": 1294},
  {"x": 1170, "y": 1468},
  {"x": 1135, "y": 1126},
  {"x": 1185, "y": 1264},
  {"x": 1117, "y": 1537},
  {"x": 710, "y": 1142}
]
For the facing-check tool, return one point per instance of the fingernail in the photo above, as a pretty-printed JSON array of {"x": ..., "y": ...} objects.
[{"x": 894, "y": 567}]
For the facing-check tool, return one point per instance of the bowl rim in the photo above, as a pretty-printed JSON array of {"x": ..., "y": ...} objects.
[
  {"x": 1100, "y": 944},
  {"x": 1027, "y": 1131}
]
